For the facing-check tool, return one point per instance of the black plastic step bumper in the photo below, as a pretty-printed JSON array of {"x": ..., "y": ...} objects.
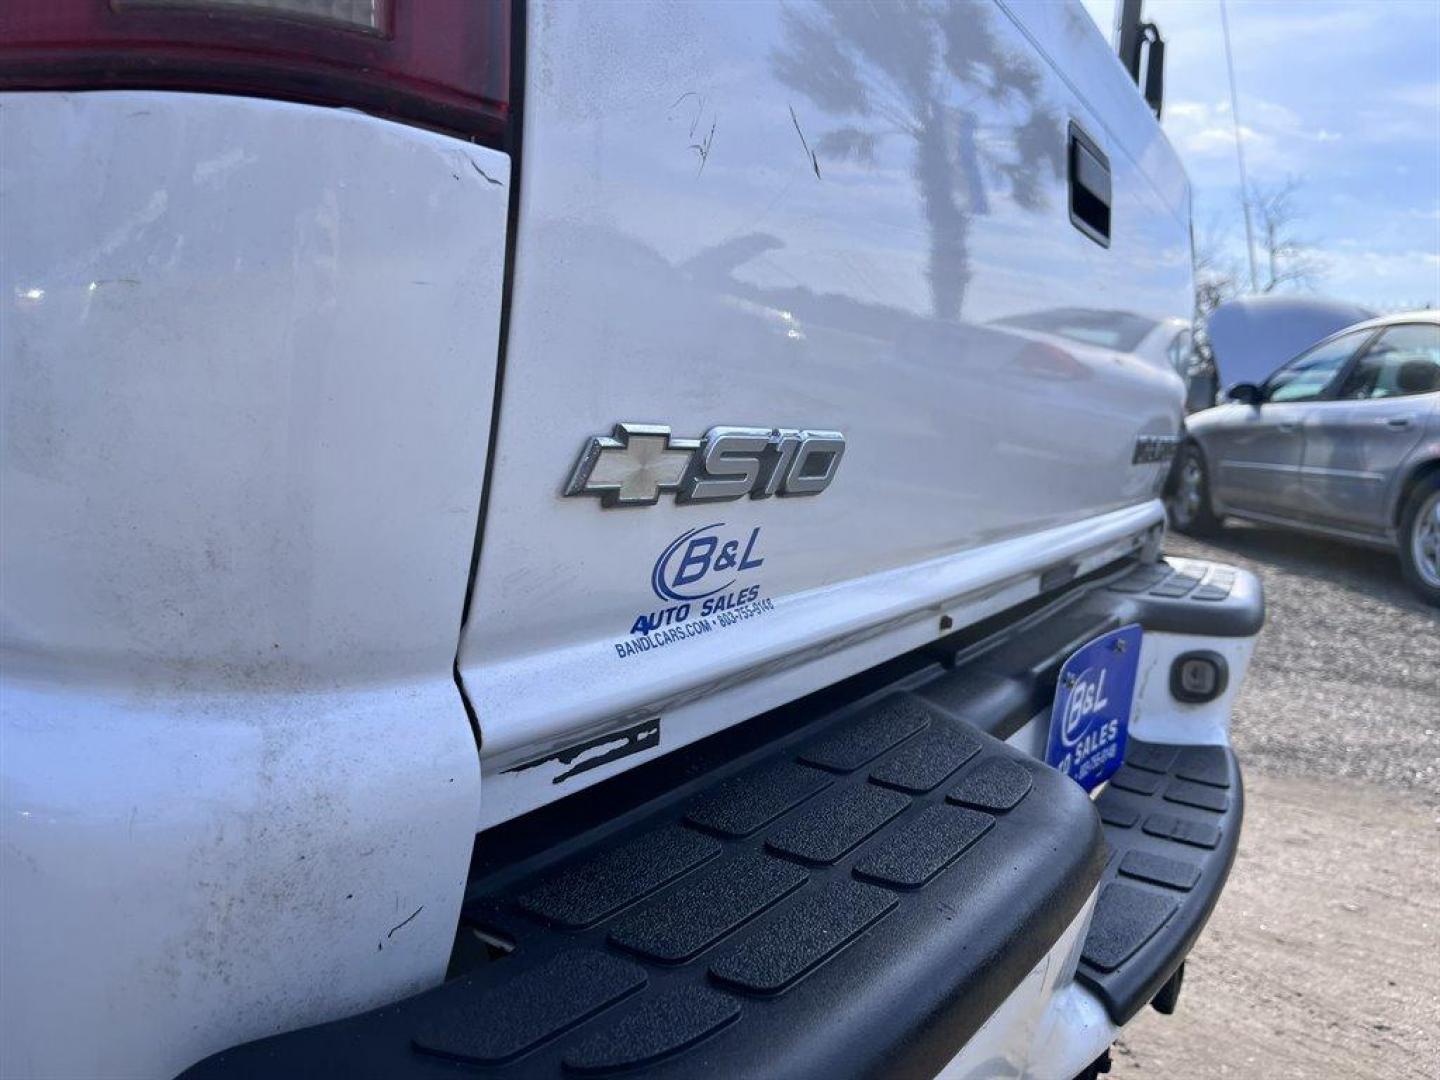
[
  {"x": 1172, "y": 818},
  {"x": 1001, "y": 681},
  {"x": 848, "y": 885},
  {"x": 853, "y": 901}
]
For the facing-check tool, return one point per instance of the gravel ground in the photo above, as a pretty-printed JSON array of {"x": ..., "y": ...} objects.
[
  {"x": 1323, "y": 956},
  {"x": 1346, "y": 678}
]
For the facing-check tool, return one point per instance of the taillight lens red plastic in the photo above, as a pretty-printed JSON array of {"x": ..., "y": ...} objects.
[{"x": 444, "y": 64}]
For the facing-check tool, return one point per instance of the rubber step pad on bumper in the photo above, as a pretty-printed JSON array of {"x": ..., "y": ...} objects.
[
  {"x": 856, "y": 898},
  {"x": 1172, "y": 818}
]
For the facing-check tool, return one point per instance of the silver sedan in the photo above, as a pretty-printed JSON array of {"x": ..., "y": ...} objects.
[{"x": 1343, "y": 441}]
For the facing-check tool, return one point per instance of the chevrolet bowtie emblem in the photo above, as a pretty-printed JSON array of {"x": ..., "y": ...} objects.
[
  {"x": 637, "y": 462},
  {"x": 633, "y": 466}
]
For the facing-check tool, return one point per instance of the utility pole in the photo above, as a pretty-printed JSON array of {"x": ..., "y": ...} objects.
[{"x": 1239, "y": 150}]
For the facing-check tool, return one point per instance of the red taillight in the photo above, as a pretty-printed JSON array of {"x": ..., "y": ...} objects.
[{"x": 441, "y": 63}]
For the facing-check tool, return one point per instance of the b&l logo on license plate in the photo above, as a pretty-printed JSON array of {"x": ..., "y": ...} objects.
[{"x": 1091, "y": 715}]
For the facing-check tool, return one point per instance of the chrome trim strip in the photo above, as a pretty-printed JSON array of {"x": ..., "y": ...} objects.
[
  {"x": 1259, "y": 466},
  {"x": 1360, "y": 474},
  {"x": 1308, "y": 470},
  {"x": 1376, "y": 540}
]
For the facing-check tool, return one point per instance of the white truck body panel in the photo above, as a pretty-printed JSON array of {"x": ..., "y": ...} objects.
[
  {"x": 1049, "y": 1028},
  {"x": 679, "y": 261},
  {"x": 248, "y": 354}
]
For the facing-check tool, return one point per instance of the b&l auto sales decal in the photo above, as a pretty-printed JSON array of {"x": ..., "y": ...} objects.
[{"x": 703, "y": 577}]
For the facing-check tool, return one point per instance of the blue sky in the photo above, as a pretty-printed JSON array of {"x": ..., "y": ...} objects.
[{"x": 1345, "y": 96}]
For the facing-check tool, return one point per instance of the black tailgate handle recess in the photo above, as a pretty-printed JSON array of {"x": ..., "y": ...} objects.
[{"x": 1090, "y": 188}]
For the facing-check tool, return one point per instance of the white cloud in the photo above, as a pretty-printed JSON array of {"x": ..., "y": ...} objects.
[
  {"x": 1343, "y": 94},
  {"x": 1277, "y": 141},
  {"x": 1392, "y": 264},
  {"x": 1425, "y": 95},
  {"x": 1383, "y": 279},
  {"x": 1265, "y": 28},
  {"x": 1274, "y": 134}
]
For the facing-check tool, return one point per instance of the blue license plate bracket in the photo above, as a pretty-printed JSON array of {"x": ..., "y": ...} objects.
[{"x": 1090, "y": 718}]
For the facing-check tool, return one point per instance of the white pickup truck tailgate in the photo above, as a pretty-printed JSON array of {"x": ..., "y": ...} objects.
[{"x": 837, "y": 217}]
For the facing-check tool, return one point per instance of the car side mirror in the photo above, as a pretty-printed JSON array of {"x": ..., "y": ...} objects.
[
  {"x": 1417, "y": 377},
  {"x": 1245, "y": 393}
]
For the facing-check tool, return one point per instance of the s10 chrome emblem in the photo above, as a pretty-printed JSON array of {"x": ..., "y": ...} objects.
[
  {"x": 637, "y": 462},
  {"x": 1152, "y": 448}
]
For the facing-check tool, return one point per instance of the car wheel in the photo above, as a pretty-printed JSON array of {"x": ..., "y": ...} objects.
[
  {"x": 1189, "y": 501},
  {"x": 1420, "y": 540}
]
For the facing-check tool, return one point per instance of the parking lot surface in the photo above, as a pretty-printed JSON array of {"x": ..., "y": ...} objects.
[{"x": 1323, "y": 956}]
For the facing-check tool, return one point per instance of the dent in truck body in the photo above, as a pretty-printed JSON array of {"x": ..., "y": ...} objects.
[{"x": 869, "y": 298}]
